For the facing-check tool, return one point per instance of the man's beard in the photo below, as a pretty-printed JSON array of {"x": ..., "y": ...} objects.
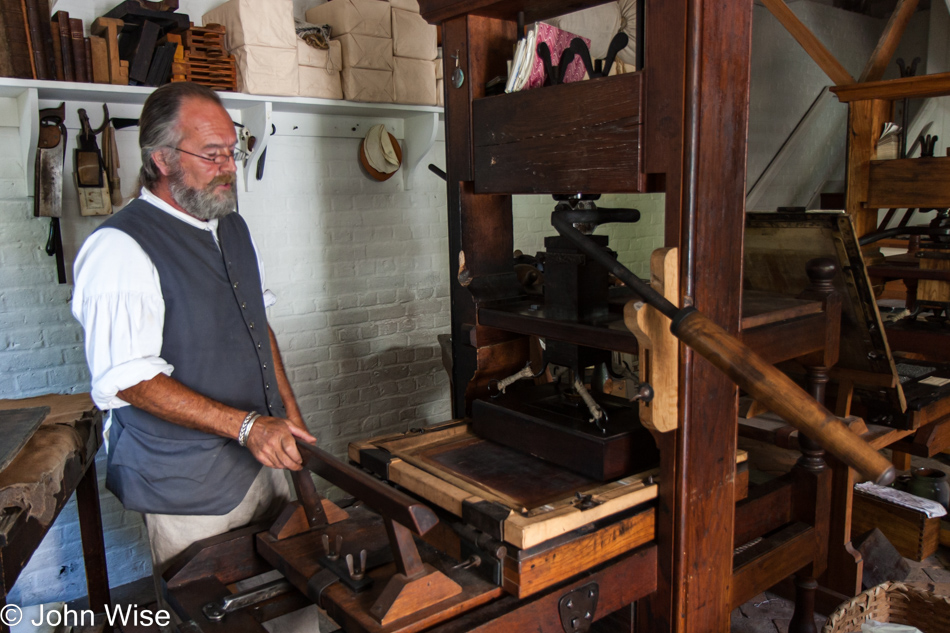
[{"x": 206, "y": 203}]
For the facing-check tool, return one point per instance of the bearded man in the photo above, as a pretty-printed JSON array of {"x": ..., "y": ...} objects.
[{"x": 202, "y": 419}]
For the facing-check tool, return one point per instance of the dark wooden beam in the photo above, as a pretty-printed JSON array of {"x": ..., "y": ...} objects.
[
  {"x": 718, "y": 49},
  {"x": 865, "y": 122},
  {"x": 890, "y": 38}
]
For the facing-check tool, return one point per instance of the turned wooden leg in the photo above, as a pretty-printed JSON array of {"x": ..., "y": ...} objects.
[{"x": 803, "y": 618}]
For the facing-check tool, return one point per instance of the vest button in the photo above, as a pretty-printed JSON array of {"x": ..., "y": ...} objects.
[
  {"x": 267, "y": 386},
  {"x": 244, "y": 305},
  {"x": 265, "y": 365},
  {"x": 251, "y": 325},
  {"x": 236, "y": 284},
  {"x": 258, "y": 346}
]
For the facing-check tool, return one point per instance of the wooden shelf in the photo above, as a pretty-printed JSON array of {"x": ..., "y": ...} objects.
[
  {"x": 922, "y": 183},
  {"x": 78, "y": 91},
  {"x": 937, "y": 85},
  {"x": 416, "y": 126}
]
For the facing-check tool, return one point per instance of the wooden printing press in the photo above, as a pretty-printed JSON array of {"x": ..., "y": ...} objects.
[{"x": 547, "y": 504}]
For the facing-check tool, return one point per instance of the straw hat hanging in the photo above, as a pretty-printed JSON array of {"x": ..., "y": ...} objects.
[{"x": 380, "y": 153}]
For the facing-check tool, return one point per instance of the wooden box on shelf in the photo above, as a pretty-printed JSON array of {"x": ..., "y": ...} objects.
[
  {"x": 560, "y": 138},
  {"x": 910, "y": 531}
]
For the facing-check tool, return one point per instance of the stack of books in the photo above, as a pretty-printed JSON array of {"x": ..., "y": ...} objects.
[
  {"x": 126, "y": 45},
  {"x": 35, "y": 46}
]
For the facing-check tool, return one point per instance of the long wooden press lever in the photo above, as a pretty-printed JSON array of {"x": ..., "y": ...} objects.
[{"x": 747, "y": 369}]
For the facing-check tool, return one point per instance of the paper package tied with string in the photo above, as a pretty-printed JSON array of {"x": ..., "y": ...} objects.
[
  {"x": 255, "y": 23},
  {"x": 360, "y": 17},
  {"x": 379, "y": 150}
]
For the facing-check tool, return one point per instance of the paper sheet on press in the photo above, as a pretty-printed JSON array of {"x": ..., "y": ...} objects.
[{"x": 931, "y": 508}]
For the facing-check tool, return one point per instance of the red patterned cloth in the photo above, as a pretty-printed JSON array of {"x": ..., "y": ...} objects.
[{"x": 558, "y": 41}]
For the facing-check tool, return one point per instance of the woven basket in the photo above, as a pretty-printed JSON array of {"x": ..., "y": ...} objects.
[{"x": 895, "y": 603}]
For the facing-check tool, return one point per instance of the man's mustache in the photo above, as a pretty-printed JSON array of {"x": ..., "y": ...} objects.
[{"x": 222, "y": 179}]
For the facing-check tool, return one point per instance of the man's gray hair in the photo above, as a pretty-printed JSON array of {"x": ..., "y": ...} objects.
[{"x": 158, "y": 124}]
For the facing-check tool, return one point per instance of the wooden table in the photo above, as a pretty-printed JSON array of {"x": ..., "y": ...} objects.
[{"x": 21, "y": 532}]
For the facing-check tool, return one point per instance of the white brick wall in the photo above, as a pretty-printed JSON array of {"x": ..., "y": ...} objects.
[{"x": 361, "y": 272}]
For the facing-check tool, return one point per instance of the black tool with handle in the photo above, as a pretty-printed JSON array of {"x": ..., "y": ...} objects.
[{"x": 599, "y": 68}]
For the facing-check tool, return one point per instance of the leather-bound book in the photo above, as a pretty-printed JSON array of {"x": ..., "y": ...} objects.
[
  {"x": 79, "y": 49},
  {"x": 37, "y": 45},
  {"x": 6, "y": 63},
  {"x": 88, "y": 48},
  {"x": 42, "y": 7},
  {"x": 65, "y": 45},
  {"x": 17, "y": 34},
  {"x": 36, "y": 40},
  {"x": 57, "y": 50}
]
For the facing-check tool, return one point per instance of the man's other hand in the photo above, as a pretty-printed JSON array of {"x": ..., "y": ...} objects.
[{"x": 272, "y": 442}]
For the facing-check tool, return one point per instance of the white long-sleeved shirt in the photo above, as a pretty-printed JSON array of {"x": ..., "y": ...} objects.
[{"x": 118, "y": 300}]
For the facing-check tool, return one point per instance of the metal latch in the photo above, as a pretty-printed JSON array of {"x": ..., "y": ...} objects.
[
  {"x": 577, "y": 608},
  {"x": 215, "y": 611}
]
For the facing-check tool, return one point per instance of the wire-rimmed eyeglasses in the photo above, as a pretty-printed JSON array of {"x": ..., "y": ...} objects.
[{"x": 237, "y": 154}]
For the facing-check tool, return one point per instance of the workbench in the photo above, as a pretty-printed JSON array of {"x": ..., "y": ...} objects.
[{"x": 57, "y": 458}]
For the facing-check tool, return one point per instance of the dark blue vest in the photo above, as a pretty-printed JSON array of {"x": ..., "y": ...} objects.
[{"x": 216, "y": 337}]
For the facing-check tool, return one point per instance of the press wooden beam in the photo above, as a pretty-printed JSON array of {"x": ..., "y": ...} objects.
[
  {"x": 925, "y": 86},
  {"x": 890, "y": 38},
  {"x": 815, "y": 49}
]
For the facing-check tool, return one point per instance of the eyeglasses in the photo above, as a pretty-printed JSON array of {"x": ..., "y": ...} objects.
[{"x": 218, "y": 159}]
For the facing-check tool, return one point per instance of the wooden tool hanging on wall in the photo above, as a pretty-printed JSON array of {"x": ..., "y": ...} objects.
[
  {"x": 91, "y": 179},
  {"x": 110, "y": 160},
  {"x": 48, "y": 184}
]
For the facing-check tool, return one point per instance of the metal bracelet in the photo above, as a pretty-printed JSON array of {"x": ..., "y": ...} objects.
[{"x": 246, "y": 425}]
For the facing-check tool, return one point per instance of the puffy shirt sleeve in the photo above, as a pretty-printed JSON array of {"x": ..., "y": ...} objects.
[{"x": 118, "y": 300}]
